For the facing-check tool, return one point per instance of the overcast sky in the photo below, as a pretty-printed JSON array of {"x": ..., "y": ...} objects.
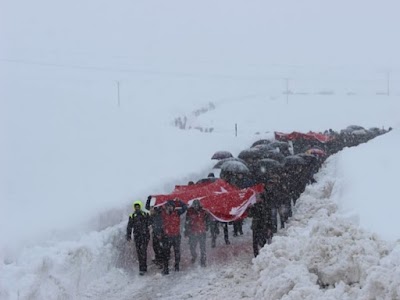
[{"x": 213, "y": 33}]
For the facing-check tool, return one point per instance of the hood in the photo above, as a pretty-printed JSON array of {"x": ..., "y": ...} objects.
[{"x": 138, "y": 202}]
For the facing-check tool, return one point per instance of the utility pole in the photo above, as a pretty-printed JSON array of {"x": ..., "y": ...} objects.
[
  {"x": 119, "y": 103},
  {"x": 287, "y": 90},
  {"x": 388, "y": 82}
]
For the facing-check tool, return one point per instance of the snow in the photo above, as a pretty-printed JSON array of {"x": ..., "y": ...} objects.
[
  {"x": 72, "y": 160},
  {"x": 374, "y": 165},
  {"x": 324, "y": 255}
]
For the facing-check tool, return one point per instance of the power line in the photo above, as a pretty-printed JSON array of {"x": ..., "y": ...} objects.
[
  {"x": 138, "y": 71},
  {"x": 388, "y": 83}
]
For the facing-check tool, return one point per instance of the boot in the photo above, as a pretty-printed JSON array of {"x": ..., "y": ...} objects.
[
  {"x": 203, "y": 263},
  {"x": 213, "y": 243}
]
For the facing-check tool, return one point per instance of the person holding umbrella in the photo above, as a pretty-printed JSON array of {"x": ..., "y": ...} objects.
[
  {"x": 273, "y": 199},
  {"x": 261, "y": 225},
  {"x": 139, "y": 222}
]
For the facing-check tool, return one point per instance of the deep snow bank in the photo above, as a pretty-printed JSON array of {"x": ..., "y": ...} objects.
[
  {"x": 324, "y": 255},
  {"x": 369, "y": 180}
]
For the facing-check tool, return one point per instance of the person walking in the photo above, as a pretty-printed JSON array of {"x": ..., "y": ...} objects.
[
  {"x": 139, "y": 223},
  {"x": 262, "y": 224},
  {"x": 196, "y": 226},
  {"x": 171, "y": 216},
  {"x": 157, "y": 232}
]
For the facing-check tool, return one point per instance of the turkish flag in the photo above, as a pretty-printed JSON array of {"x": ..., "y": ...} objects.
[
  {"x": 280, "y": 136},
  {"x": 223, "y": 201}
]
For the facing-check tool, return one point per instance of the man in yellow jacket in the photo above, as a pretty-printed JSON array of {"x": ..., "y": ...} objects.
[{"x": 139, "y": 222}]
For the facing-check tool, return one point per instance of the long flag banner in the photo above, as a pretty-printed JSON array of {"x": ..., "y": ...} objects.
[
  {"x": 280, "y": 136},
  {"x": 223, "y": 201}
]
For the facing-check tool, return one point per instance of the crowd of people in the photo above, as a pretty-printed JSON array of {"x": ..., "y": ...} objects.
[
  {"x": 184, "y": 123},
  {"x": 285, "y": 169}
]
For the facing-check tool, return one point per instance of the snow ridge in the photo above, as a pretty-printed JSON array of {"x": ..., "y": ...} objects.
[{"x": 324, "y": 255}]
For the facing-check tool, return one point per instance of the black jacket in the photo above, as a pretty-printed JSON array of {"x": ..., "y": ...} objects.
[
  {"x": 155, "y": 218},
  {"x": 262, "y": 218},
  {"x": 275, "y": 195},
  {"x": 156, "y": 221},
  {"x": 139, "y": 223}
]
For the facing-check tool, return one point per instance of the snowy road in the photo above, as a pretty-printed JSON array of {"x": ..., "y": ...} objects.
[{"x": 229, "y": 272}]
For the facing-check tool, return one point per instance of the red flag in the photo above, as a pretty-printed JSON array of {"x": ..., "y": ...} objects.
[
  {"x": 280, "y": 136},
  {"x": 223, "y": 201},
  {"x": 195, "y": 191}
]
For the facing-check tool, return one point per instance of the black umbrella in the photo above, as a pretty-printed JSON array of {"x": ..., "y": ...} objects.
[
  {"x": 263, "y": 148},
  {"x": 221, "y": 155},
  {"x": 294, "y": 160},
  {"x": 350, "y": 129},
  {"x": 265, "y": 168},
  {"x": 219, "y": 164},
  {"x": 275, "y": 156},
  {"x": 250, "y": 155},
  {"x": 234, "y": 167},
  {"x": 265, "y": 165},
  {"x": 261, "y": 142},
  {"x": 309, "y": 159},
  {"x": 359, "y": 132},
  {"x": 283, "y": 146}
]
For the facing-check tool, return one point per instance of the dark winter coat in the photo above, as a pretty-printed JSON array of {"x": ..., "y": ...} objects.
[
  {"x": 275, "y": 195},
  {"x": 245, "y": 182},
  {"x": 138, "y": 223},
  {"x": 262, "y": 217},
  {"x": 155, "y": 218},
  {"x": 156, "y": 221}
]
